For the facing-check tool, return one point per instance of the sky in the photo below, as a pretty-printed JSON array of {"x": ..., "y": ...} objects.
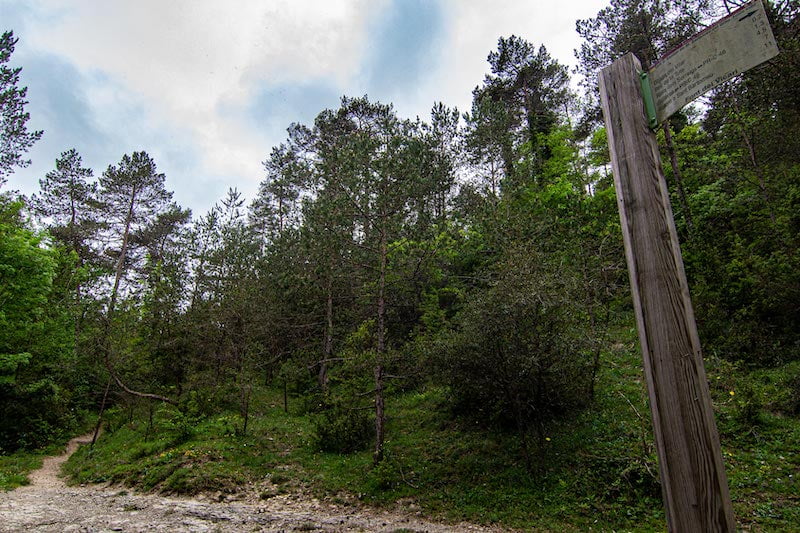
[{"x": 208, "y": 87}]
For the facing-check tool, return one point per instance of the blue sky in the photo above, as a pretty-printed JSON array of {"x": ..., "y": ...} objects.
[{"x": 208, "y": 87}]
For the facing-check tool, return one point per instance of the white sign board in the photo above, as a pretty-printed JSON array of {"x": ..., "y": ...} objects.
[{"x": 729, "y": 47}]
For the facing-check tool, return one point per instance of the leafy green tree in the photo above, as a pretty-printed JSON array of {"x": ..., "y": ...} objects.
[
  {"x": 229, "y": 323},
  {"x": 132, "y": 195},
  {"x": 165, "y": 295},
  {"x": 68, "y": 202},
  {"x": 648, "y": 29},
  {"x": 15, "y": 139},
  {"x": 739, "y": 180},
  {"x": 373, "y": 168},
  {"x": 27, "y": 275},
  {"x": 35, "y": 337},
  {"x": 326, "y": 241},
  {"x": 68, "y": 199},
  {"x": 276, "y": 206},
  {"x": 443, "y": 145}
]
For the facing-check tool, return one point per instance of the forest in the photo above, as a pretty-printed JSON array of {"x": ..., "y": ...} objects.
[{"x": 434, "y": 310}]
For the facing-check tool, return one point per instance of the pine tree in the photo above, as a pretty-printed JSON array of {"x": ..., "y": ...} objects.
[
  {"x": 519, "y": 102},
  {"x": 133, "y": 195},
  {"x": 68, "y": 199},
  {"x": 15, "y": 140}
]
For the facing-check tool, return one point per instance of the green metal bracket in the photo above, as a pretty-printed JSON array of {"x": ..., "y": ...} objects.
[{"x": 649, "y": 101}]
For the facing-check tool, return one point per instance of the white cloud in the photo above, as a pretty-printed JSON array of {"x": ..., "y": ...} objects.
[
  {"x": 473, "y": 27},
  {"x": 188, "y": 60},
  {"x": 186, "y": 72}
]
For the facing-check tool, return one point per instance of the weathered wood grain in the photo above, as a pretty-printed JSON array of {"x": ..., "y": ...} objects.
[{"x": 694, "y": 483}]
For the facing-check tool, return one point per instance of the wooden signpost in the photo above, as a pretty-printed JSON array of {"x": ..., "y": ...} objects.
[{"x": 694, "y": 484}]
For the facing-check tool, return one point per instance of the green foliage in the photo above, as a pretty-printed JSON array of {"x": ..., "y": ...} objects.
[
  {"x": 742, "y": 265},
  {"x": 597, "y": 467},
  {"x": 646, "y": 28},
  {"x": 514, "y": 109},
  {"x": 365, "y": 272},
  {"x": 9, "y": 363},
  {"x": 343, "y": 430},
  {"x": 516, "y": 356},
  {"x": 36, "y": 401},
  {"x": 182, "y": 423},
  {"x": 792, "y": 402},
  {"x": 15, "y": 139},
  {"x": 26, "y": 276},
  {"x": 15, "y": 467},
  {"x": 212, "y": 456}
]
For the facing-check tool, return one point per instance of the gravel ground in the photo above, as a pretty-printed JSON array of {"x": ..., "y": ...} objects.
[{"x": 47, "y": 504}]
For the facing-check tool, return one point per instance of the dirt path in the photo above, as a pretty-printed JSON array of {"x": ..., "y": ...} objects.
[{"x": 47, "y": 504}]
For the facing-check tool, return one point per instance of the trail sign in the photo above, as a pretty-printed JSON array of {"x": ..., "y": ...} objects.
[
  {"x": 692, "y": 470},
  {"x": 728, "y": 47},
  {"x": 693, "y": 480}
]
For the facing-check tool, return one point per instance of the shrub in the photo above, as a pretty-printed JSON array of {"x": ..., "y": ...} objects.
[
  {"x": 516, "y": 358},
  {"x": 793, "y": 402},
  {"x": 343, "y": 430}
]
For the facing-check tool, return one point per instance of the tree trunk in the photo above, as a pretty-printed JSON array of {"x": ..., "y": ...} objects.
[
  {"x": 380, "y": 417},
  {"x": 676, "y": 172},
  {"x": 246, "y": 390},
  {"x": 76, "y": 245},
  {"x": 122, "y": 253},
  {"x": 111, "y": 308},
  {"x": 327, "y": 351},
  {"x": 100, "y": 414},
  {"x": 762, "y": 185}
]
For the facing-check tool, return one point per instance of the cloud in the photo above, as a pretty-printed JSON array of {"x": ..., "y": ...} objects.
[
  {"x": 471, "y": 31},
  {"x": 208, "y": 87},
  {"x": 62, "y": 103},
  {"x": 186, "y": 61}
]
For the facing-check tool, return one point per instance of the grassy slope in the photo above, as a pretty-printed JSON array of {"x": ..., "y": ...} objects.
[
  {"x": 597, "y": 472},
  {"x": 15, "y": 467}
]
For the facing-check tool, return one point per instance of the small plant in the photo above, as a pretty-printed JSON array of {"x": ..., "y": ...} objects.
[
  {"x": 183, "y": 422},
  {"x": 748, "y": 406},
  {"x": 387, "y": 474},
  {"x": 342, "y": 430},
  {"x": 793, "y": 402}
]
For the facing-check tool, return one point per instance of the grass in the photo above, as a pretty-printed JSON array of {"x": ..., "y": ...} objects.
[
  {"x": 15, "y": 467},
  {"x": 595, "y": 472}
]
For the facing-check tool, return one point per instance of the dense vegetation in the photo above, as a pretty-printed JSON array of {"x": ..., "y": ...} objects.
[{"x": 440, "y": 306}]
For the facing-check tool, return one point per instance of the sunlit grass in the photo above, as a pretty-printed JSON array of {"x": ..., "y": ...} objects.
[{"x": 596, "y": 471}]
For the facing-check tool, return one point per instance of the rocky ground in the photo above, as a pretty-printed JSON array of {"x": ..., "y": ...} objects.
[{"x": 48, "y": 504}]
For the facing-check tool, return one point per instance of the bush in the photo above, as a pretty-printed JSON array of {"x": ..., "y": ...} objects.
[
  {"x": 343, "y": 430},
  {"x": 182, "y": 422},
  {"x": 516, "y": 358},
  {"x": 34, "y": 415},
  {"x": 793, "y": 402}
]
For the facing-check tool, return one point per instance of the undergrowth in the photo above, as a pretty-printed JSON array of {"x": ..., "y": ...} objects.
[
  {"x": 597, "y": 471},
  {"x": 15, "y": 467}
]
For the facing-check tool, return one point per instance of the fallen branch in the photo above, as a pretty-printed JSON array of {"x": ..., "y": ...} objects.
[{"x": 148, "y": 395}]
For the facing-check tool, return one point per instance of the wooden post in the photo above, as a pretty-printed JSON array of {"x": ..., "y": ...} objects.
[{"x": 694, "y": 485}]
